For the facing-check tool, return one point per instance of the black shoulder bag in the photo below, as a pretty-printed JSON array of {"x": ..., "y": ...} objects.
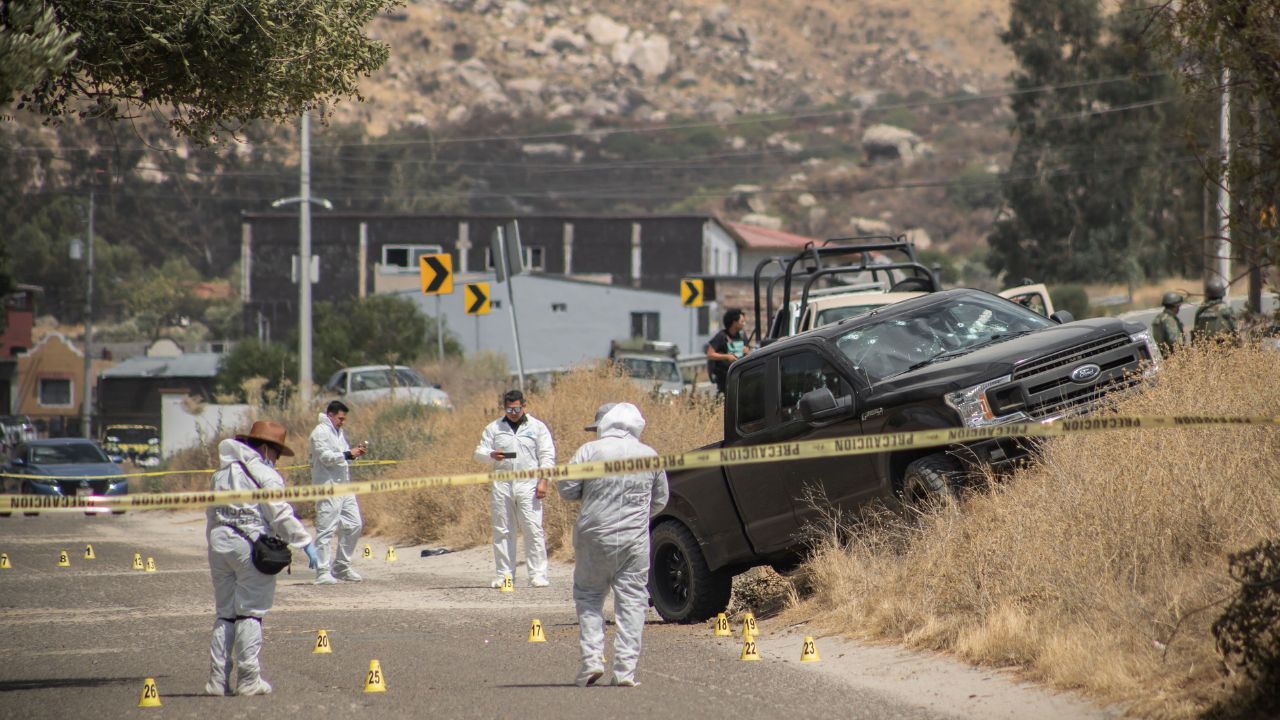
[{"x": 270, "y": 554}]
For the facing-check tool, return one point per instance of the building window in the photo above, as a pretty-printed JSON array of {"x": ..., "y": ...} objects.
[
  {"x": 55, "y": 392},
  {"x": 404, "y": 258},
  {"x": 645, "y": 325},
  {"x": 559, "y": 307},
  {"x": 534, "y": 258}
]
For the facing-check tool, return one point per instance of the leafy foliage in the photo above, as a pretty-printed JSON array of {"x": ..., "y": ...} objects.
[
  {"x": 373, "y": 330},
  {"x": 213, "y": 65},
  {"x": 33, "y": 46},
  {"x": 161, "y": 297},
  {"x": 1096, "y": 190},
  {"x": 272, "y": 362}
]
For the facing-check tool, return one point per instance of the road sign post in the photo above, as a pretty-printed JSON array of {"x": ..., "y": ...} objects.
[
  {"x": 508, "y": 260},
  {"x": 692, "y": 293},
  {"x": 476, "y": 302},
  {"x": 436, "y": 274}
]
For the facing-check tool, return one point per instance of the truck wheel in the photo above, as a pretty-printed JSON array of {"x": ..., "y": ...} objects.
[
  {"x": 682, "y": 588},
  {"x": 930, "y": 479}
]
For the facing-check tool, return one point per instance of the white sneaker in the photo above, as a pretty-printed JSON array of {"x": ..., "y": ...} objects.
[
  {"x": 326, "y": 579},
  {"x": 258, "y": 687},
  {"x": 627, "y": 682},
  {"x": 497, "y": 582},
  {"x": 349, "y": 575},
  {"x": 539, "y": 582},
  {"x": 587, "y": 678}
]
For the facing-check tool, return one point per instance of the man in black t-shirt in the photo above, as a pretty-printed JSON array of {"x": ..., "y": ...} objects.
[{"x": 728, "y": 345}]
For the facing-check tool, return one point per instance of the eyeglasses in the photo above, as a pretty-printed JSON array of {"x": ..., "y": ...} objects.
[{"x": 514, "y": 410}]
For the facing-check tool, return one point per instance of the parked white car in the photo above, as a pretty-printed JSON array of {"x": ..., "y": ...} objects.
[{"x": 368, "y": 383}]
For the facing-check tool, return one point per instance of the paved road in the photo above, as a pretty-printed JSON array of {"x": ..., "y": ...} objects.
[{"x": 79, "y": 641}]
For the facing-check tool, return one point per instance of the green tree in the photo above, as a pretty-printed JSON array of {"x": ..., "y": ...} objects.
[
  {"x": 374, "y": 330},
  {"x": 160, "y": 296},
  {"x": 33, "y": 46},
  {"x": 210, "y": 65},
  {"x": 1094, "y": 178},
  {"x": 272, "y": 362}
]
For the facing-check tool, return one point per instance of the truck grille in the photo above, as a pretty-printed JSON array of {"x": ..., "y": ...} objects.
[{"x": 1051, "y": 392}]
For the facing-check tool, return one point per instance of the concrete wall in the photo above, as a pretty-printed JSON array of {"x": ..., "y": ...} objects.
[
  {"x": 180, "y": 429},
  {"x": 562, "y": 322}
]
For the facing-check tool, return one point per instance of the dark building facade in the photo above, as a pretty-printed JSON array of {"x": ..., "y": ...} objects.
[{"x": 645, "y": 252}]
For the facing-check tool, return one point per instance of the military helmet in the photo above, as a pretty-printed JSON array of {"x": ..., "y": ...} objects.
[
  {"x": 1171, "y": 299},
  {"x": 1215, "y": 289}
]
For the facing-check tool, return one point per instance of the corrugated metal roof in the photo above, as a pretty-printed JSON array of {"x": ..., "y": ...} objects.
[
  {"x": 188, "y": 365},
  {"x": 760, "y": 238}
]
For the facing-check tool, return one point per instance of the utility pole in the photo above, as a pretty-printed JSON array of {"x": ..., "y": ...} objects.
[
  {"x": 86, "y": 404},
  {"x": 1222, "y": 258},
  {"x": 304, "y": 265}
]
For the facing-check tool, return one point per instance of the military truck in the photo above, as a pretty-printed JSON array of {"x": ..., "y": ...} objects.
[{"x": 951, "y": 358}]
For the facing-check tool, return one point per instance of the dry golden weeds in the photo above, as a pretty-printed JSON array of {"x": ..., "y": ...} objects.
[{"x": 1100, "y": 568}]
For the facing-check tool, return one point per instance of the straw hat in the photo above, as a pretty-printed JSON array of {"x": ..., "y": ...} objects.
[{"x": 268, "y": 432}]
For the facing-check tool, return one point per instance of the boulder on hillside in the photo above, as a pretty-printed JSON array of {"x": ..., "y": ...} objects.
[
  {"x": 652, "y": 57},
  {"x": 889, "y": 142},
  {"x": 604, "y": 31},
  {"x": 869, "y": 226},
  {"x": 768, "y": 222},
  {"x": 565, "y": 40}
]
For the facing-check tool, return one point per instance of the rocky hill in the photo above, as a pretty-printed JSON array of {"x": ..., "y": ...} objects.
[{"x": 675, "y": 58}]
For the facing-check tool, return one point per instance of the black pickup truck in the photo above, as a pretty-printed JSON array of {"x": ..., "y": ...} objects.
[{"x": 954, "y": 358}]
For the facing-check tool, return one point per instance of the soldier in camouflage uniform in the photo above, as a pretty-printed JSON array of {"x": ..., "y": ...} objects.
[
  {"x": 1214, "y": 320},
  {"x": 1166, "y": 328}
]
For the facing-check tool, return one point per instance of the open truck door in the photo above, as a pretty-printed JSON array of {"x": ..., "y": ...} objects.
[{"x": 1033, "y": 297}]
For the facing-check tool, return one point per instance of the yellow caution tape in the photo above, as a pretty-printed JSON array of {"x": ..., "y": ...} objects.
[
  {"x": 711, "y": 457},
  {"x": 160, "y": 473}
]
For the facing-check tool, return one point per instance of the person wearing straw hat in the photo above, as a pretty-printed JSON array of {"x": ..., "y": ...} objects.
[
  {"x": 611, "y": 543},
  {"x": 242, "y": 594}
]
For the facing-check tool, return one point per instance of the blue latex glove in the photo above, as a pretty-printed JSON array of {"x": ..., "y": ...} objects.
[{"x": 310, "y": 550}]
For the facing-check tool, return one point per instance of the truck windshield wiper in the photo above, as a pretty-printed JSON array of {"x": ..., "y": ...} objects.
[{"x": 935, "y": 358}]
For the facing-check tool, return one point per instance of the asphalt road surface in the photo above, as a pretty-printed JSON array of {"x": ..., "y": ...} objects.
[{"x": 78, "y": 642}]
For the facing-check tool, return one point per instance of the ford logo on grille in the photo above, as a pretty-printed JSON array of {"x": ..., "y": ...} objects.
[{"x": 1085, "y": 373}]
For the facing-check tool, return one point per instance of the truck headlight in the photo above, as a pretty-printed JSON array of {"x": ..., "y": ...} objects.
[
  {"x": 1153, "y": 351},
  {"x": 974, "y": 409}
]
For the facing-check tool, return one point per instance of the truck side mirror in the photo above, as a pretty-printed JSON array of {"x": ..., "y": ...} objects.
[
  {"x": 820, "y": 406},
  {"x": 1062, "y": 317}
]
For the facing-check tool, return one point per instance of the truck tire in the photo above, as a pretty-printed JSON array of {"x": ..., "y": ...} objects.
[
  {"x": 930, "y": 479},
  {"x": 683, "y": 590}
]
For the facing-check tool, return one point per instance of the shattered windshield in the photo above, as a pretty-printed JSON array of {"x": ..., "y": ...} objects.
[{"x": 934, "y": 332}]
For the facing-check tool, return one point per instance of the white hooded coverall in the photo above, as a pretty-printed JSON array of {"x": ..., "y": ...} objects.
[
  {"x": 532, "y": 444},
  {"x": 241, "y": 594},
  {"x": 611, "y": 541},
  {"x": 337, "y": 515}
]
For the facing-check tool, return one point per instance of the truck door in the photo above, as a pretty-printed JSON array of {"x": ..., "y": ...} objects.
[
  {"x": 820, "y": 484},
  {"x": 1033, "y": 297},
  {"x": 763, "y": 502}
]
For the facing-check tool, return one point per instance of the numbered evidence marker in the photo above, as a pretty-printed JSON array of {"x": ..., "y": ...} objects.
[
  {"x": 322, "y": 644},
  {"x": 88, "y": 553},
  {"x": 151, "y": 564},
  {"x": 535, "y": 631},
  {"x": 391, "y": 553},
  {"x": 436, "y": 273},
  {"x": 368, "y": 552},
  {"x": 749, "y": 627},
  {"x": 691, "y": 292},
  {"x": 722, "y": 626},
  {"x": 477, "y": 298},
  {"x": 749, "y": 650},
  {"x": 63, "y": 559},
  {"x": 373, "y": 680},
  {"x": 809, "y": 653},
  {"x": 150, "y": 694},
  {"x": 508, "y": 584},
  {"x": 4, "y": 561},
  {"x": 137, "y": 561}
]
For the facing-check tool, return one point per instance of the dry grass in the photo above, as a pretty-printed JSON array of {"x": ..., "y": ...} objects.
[{"x": 1102, "y": 568}]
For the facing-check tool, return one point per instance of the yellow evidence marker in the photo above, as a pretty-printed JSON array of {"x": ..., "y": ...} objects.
[
  {"x": 722, "y": 626},
  {"x": 88, "y": 553},
  {"x": 749, "y": 650},
  {"x": 4, "y": 562},
  {"x": 137, "y": 561},
  {"x": 150, "y": 694},
  {"x": 508, "y": 584},
  {"x": 322, "y": 644},
  {"x": 368, "y": 552},
  {"x": 391, "y": 554},
  {"x": 151, "y": 564},
  {"x": 373, "y": 680},
  {"x": 809, "y": 653},
  {"x": 535, "y": 631},
  {"x": 749, "y": 627},
  {"x": 63, "y": 559}
]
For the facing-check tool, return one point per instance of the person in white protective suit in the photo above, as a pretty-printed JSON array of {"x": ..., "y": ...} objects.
[
  {"x": 241, "y": 594},
  {"x": 611, "y": 542},
  {"x": 518, "y": 441},
  {"x": 336, "y": 516}
]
